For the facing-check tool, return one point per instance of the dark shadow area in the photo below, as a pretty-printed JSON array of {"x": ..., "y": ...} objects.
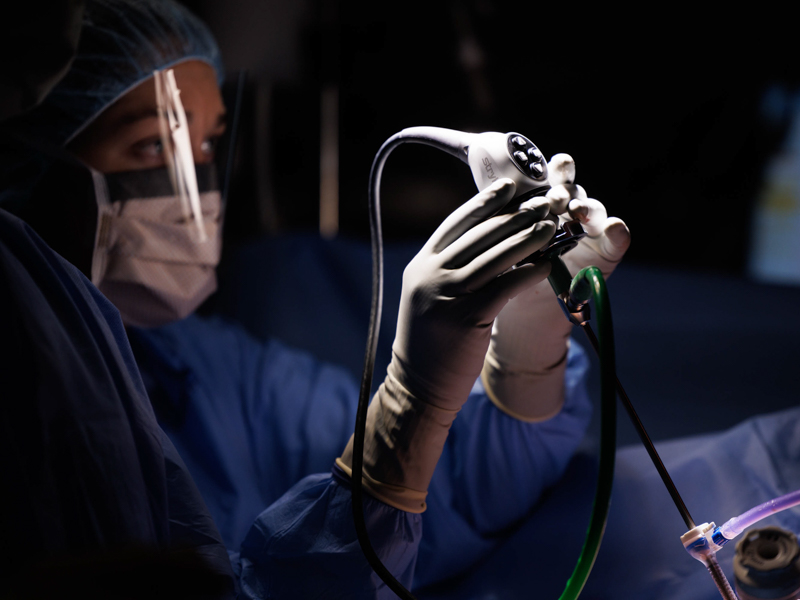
[{"x": 666, "y": 124}]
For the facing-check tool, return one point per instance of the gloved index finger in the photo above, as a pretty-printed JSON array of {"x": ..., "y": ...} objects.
[
  {"x": 591, "y": 214},
  {"x": 561, "y": 195},
  {"x": 504, "y": 255},
  {"x": 488, "y": 234},
  {"x": 561, "y": 170},
  {"x": 476, "y": 210}
]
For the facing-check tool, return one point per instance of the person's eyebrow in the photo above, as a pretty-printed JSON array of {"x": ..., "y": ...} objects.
[
  {"x": 129, "y": 118},
  {"x": 222, "y": 119}
]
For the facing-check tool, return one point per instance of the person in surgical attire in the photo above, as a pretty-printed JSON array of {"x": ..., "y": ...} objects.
[{"x": 263, "y": 430}]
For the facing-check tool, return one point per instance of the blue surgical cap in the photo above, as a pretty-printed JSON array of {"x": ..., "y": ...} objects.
[{"x": 122, "y": 42}]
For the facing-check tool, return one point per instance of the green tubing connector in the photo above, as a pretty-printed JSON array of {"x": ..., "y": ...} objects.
[{"x": 608, "y": 436}]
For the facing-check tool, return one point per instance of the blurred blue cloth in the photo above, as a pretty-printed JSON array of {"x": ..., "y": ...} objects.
[
  {"x": 305, "y": 545},
  {"x": 313, "y": 294},
  {"x": 79, "y": 473},
  {"x": 86, "y": 468},
  {"x": 719, "y": 475},
  {"x": 252, "y": 418}
]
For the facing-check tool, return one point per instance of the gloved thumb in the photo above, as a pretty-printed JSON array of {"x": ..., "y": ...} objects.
[
  {"x": 616, "y": 240},
  {"x": 604, "y": 250}
]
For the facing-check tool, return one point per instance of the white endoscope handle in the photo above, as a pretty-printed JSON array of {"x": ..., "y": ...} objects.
[{"x": 490, "y": 156}]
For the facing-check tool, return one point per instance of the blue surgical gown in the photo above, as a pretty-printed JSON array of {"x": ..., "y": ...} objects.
[
  {"x": 86, "y": 470},
  {"x": 259, "y": 425},
  {"x": 86, "y": 467},
  {"x": 489, "y": 531}
]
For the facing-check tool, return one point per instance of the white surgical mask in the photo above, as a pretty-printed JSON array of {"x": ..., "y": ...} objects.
[{"x": 149, "y": 259}]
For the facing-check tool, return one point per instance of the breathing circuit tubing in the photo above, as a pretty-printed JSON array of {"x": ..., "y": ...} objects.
[{"x": 588, "y": 283}]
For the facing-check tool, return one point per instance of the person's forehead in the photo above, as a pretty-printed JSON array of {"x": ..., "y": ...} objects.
[{"x": 196, "y": 80}]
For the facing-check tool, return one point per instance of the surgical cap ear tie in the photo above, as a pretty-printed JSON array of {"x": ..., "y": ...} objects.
[{"x": 177, "y": 147}]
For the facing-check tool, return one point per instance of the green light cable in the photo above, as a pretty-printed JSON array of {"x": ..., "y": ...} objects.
[{"x": 608, "y": 419}]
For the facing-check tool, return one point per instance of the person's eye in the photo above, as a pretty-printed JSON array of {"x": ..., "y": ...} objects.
[
  {"x": 149, "y": 149},
  {"x": 148, "y": 152}
]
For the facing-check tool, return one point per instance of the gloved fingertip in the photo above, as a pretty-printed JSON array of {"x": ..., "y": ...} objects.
[
  {"x": 546, "y": 226},
  {"x": 502, "y": 186},
  {"x": 618, "y": 233},
  {"x": 579, "y": 211},
  {"x": 562, "y": 169},
  {"x": 559, "y": 198},
  {"x": 498, "y": 194},
  {"x": 591, "y": 214}
]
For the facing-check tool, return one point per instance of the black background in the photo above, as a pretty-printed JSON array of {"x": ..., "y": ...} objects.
[{"x": 661, "y": 111}]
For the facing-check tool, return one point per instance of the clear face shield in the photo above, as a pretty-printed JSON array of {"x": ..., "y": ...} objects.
[{"x": 177, "y": 148}]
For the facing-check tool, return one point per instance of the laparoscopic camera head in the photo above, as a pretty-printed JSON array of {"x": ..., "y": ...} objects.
[{"x": 490, "y": 156}]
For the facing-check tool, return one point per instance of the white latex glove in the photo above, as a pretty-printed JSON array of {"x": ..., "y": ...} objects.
[
  {"x": 452, "y": 291},
  {"x": 524, "y": 369}
]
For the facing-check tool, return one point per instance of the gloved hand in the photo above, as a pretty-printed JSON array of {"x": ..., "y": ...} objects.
[
  {"x": 524, "y": 369},
  {"x": 452, "y": 291}
]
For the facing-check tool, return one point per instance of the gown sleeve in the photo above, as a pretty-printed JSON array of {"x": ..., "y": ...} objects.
[
  {"x": 252, "y": 418},
  {"x": 305, "y": 545}
]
